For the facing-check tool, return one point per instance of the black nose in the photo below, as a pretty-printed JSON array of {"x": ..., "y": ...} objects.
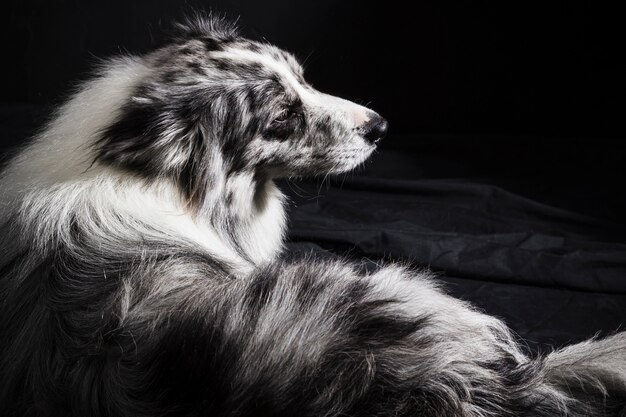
[{"x": 375, "y": 129}]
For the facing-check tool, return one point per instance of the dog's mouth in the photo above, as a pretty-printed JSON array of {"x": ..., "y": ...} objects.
[{"x": 349, "y": 159}]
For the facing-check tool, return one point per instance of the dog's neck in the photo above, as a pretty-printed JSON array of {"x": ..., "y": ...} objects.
[{"x": 248, "y": 213}]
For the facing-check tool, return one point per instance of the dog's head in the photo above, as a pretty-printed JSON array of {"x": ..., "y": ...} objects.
[{"x": 212, "y": 96}]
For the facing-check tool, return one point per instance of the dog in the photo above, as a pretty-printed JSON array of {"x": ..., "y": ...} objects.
[{"x": 141, "y": 270}]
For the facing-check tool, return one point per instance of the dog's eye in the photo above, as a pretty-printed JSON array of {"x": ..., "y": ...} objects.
[
  {"x": 284, "y": 116},
  {"x": 284, "y": 124}
]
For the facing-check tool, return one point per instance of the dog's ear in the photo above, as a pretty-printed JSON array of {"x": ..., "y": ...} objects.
[
  {"x": 206, "y": 25},
  {"x": 158, "y": 137},
  {"x": 152, "y": 133}
]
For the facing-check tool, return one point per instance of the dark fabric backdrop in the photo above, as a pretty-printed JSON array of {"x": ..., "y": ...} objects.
[{"x": 505, "y": 164}]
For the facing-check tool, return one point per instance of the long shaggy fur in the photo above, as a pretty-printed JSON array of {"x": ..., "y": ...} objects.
[{"x": 140, "y": 272}]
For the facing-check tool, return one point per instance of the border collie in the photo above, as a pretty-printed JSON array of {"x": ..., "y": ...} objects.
[{"x": 140, "y": 269}]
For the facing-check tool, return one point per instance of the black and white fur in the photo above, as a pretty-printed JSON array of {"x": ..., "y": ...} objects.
[{"x": 140, "y": 271}]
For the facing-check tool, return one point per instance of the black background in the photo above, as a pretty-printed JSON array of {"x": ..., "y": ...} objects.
[{"x": 519, "y": 105}]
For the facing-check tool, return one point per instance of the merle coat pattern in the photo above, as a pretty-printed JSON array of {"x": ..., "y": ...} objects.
[{"x": 140, "y": 272}]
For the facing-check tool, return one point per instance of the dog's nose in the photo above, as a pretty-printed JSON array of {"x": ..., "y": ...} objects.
[{"x": 375, "y": 129}]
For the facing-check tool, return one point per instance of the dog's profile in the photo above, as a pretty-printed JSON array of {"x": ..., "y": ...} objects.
[{"x": 140, "y": 275}]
